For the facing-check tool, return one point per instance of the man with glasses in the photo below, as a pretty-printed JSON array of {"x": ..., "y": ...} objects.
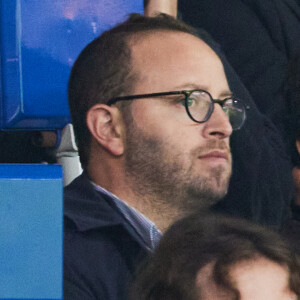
[{"x": 152, "y": 113}]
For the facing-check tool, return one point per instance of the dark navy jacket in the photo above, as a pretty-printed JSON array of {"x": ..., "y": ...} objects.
[{"x": 101, "y": 251}]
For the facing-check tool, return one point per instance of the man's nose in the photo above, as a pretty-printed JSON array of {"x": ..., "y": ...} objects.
[{"x": 218, "y": 125}]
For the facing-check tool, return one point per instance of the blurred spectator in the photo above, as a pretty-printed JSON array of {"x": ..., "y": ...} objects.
[
  {"x": 214, "y": 257},
  {"x": 261, "y": 188},
  {"x": 258, "y": 38},
  {"x": 292, "y": 228},
  {"x": 293, "y": 96}
]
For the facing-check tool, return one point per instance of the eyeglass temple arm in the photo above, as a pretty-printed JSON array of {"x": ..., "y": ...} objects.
[{"x": 141, "y": 96}]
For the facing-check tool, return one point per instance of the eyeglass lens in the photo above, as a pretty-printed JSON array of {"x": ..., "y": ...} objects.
[
  {"x": 235, "y": 111},
  {"x": 199, "y": 104}
]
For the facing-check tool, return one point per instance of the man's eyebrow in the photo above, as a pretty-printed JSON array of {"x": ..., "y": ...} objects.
[
  {"x": 226, "y": 94},
  {"x": 192, "y": 86}
]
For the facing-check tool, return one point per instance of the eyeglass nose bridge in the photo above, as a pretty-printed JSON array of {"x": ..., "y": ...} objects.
[
  {"x": 244, "y": 107},
  {"x": 216, "y": 101},
  {"x": 220, "y": 102}
]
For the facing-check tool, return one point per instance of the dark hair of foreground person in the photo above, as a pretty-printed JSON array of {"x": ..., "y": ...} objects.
[{"x": 197, "y": 241}]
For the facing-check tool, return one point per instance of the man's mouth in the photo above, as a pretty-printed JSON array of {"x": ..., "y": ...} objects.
[
  {"x": 216, "y": 154},
  {"x": 215, "y": 158}
]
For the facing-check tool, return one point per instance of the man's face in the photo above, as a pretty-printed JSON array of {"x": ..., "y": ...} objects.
[{"x": 166, "y": 153}]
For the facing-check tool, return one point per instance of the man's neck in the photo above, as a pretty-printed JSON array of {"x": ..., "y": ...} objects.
[{"x": 151, "y": 207}]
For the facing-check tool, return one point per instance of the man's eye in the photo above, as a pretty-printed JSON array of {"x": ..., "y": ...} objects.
[
  {"x": 180, "y": 101},
  {"x": 190, "y": 102}
]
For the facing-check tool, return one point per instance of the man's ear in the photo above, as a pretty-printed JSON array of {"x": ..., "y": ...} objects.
[
  {"x": 298, "y": 145},
  {"x": 106, "y": 125}
]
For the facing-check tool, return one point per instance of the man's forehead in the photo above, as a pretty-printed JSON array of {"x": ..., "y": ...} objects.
[
  {"x": 181, "y": 57},
  {"x": 170, "y": 49},
  {"x": 159, "y": 37}
]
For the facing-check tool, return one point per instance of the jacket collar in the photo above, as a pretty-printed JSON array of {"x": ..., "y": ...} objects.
[{"x": 90, "y": 209}]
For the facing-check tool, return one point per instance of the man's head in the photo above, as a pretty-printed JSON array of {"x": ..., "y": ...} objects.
[
  {"x": 104, "y": 70},
  {"x": 158, "y": 145},
  {"x": 211, "y": 257}
]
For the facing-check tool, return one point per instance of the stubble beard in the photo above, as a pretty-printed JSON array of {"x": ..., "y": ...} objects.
[{"x": 157, "y": 174}]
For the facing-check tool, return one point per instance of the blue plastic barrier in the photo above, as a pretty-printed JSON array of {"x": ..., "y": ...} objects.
[
  {"x": 39, "y": 42},
  {"x": 31, "y": 231}
]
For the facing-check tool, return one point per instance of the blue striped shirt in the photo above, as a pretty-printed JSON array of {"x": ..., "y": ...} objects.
[{"x": 145, "y": 228}]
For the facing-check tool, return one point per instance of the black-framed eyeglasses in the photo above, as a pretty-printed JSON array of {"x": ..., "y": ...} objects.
[{"x": 199, "y": 105}]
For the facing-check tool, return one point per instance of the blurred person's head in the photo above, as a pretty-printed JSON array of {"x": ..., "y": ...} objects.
[
  {"x": 143, "y": 99},
  {"x": 293, "y": 94},
  {"x": 218, "y": 258}
]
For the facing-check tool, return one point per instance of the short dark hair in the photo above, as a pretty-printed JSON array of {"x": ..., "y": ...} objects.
[
  {"x": 103, "y": 70},
  {"x": 197, "y": 240}
]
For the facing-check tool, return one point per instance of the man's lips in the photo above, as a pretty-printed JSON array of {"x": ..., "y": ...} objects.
[{"x": 216, "y": 154}]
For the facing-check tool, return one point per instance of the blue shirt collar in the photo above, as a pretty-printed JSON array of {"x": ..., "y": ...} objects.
[{"x": 145, "y": 228}]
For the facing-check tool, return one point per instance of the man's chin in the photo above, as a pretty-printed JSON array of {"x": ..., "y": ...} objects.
[
  {"x": 219, "y": 180},
  {"x": 204, "y": 197},
  {"x": 214, "y": 188}
]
